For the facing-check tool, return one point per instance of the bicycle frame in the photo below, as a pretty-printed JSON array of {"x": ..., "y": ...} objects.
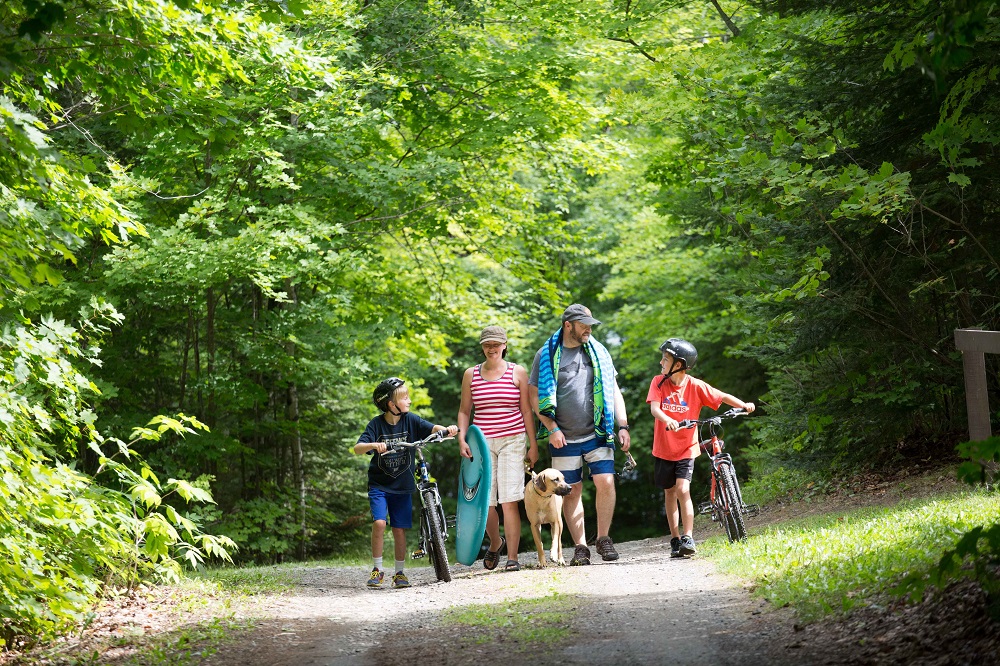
[
  {"x": 433, "y": 522},
  {"x": 714, "y": 447},
  {"x": 725, "y": 503},
  {"x": 426, "y": 485}
]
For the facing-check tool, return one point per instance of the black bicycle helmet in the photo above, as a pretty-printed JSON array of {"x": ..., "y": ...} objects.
[
  {"x": 384, "y": 391},
  {"x": 682, "y": 351}
]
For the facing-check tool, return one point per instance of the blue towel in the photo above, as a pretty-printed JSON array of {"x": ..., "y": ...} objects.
[{"x": 604, "y": 385}]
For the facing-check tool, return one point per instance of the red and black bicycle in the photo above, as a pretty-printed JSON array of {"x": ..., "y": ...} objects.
[{"x": 725, "y": 498}]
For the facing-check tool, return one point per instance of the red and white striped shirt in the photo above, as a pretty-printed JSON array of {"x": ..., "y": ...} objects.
[{"x": 497, "y": 404}]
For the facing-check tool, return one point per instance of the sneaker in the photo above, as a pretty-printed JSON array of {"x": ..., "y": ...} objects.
[
  {"x": 399, "y": 579},
  {"x": 675, "y": 547},
  {"x": 581, "y": 557},
  {"x": 375, "y": 580},
  {"x": 606, "y": 549},
  {"x": 687, "y": 545}
]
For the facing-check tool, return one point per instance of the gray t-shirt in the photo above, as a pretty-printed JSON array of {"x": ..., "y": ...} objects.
[{"x": 574, "y": 393}]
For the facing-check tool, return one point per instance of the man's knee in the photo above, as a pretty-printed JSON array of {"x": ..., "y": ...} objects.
[{"x": 604, "y": 482}]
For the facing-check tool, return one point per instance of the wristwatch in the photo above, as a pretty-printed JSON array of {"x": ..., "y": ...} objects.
[{"x": 623, "y": 427}]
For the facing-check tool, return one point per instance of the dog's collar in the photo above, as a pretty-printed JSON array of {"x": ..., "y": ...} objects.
[{"x": 535, "y": 488}]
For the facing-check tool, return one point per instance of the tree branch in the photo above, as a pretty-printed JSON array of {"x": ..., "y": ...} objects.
[
  {"x": 726, "y": 19},
  {"x": 631, "y": 41}
]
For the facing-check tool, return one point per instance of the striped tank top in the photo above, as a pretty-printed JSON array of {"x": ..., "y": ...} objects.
[{"x": 497, "y": 404}]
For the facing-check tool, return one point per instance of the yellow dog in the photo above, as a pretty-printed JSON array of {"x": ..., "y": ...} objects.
[{"x": 543, "y": 500}]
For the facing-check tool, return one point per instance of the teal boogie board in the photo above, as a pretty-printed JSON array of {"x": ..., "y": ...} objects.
[{"x": 474, "y": 480}]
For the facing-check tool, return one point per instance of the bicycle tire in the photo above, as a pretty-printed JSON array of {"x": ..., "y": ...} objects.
[
  {"x": 439, "y": 556},
  {"x": 735, "y": 526},
  {"x": 719, "y": 511}
]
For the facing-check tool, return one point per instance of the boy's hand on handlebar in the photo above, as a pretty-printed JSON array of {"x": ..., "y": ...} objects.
[
  {"x": 749, "y": 407},
  {"x": 672, "y": 424},
  {"x": 380, "y": 447},
  {"x": 452, "y": 430}
]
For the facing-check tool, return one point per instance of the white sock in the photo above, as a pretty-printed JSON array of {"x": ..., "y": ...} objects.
[
  {"x": 378, "y": 563},
  {"x": 399, "y": 565}
]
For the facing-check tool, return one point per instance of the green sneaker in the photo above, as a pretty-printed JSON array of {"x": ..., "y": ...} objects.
[
  {"x": 375, "y": 579},
  {"x": 400, "y": 580}
]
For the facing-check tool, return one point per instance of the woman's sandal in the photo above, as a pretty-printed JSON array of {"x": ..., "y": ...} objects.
[
  {"x": 492, "y": 558},
  {"x": 512, "y": 565}
]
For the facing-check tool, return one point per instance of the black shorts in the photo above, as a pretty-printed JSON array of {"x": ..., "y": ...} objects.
[{"x": 666, "y": 472}]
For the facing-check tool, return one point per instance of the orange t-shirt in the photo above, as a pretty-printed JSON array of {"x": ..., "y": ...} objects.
[{"x": 679, "y": 403}]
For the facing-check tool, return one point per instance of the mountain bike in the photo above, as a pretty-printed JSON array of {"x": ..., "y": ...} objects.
[
  {"x": 725, "y": 498},
  {"x": 433, "y": 523}
]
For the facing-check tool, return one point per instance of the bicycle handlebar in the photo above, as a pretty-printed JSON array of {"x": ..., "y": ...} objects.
[
  {"x": 715, "y": 420},
  {"x": 439, "y": 436}
]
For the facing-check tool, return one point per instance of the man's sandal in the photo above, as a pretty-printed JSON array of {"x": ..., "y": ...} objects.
[
  {"x": 492, "y": 558},
  {"x": 512, "y": 565}
]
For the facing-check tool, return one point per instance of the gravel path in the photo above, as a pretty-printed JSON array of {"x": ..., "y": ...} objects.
[{"x": 645, "y": 608}]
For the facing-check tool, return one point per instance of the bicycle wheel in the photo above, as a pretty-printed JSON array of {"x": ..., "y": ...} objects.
[
  {"x": 735, "y": 528},
  {"x": 439, "y": 556},
  {"x": 719, "y": 512}
]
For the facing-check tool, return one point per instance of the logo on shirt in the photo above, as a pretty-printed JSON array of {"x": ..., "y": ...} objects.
[
  {"x": 394, "y": 463},
  {"x": 674, "y": 403}
]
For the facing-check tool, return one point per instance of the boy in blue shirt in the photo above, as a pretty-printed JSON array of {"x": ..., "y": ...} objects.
[{"x": 390, "y": 473}]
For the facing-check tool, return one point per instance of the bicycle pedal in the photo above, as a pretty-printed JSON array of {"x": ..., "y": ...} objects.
[
  {"x": 704, "y": 508},
  {"x": 751, "y": 510},
  {"x": 450, "y": 521},
  {"x": 418, "y": 554}
]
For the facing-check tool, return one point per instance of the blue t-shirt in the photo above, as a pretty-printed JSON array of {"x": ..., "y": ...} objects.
[{"x": 392, "y": 471}]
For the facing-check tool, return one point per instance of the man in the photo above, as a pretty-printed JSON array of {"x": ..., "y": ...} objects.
[{"x": 575, "y": 395}]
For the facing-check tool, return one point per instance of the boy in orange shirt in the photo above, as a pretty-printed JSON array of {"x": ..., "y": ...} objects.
[{"x": 673, "y": 397}]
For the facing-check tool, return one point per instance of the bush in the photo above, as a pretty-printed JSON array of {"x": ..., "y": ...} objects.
[{"x": 64, "y": 535}]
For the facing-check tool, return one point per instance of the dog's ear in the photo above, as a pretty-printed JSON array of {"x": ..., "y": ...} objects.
[{"x": 539, "y": 481}]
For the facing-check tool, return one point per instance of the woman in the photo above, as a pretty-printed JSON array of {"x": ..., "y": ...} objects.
[{"x": 497, "y": 392}]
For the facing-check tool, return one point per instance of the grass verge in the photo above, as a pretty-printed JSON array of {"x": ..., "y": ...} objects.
[
  {"x": 828, "y": 564},
  {"x": 527, "y": 622}
]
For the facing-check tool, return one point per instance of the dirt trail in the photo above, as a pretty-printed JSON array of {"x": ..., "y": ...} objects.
[{"x": 645, "y": 608}]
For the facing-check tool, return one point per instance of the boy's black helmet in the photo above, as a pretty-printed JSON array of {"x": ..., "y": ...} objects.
[
  {"x": 383, "y": 392},
  {"x": 681, "y": 350}
]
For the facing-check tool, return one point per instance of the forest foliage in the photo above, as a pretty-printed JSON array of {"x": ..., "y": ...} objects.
[{"x": 246, "y": 214}]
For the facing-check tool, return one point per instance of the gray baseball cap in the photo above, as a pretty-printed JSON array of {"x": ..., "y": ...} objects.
[{"x": 580, "y": 313}]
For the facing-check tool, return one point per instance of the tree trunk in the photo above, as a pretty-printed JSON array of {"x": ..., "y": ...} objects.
[
  {"x": 298, "y": 473},
  {"x": 210, "y": 302},
  {"x": 184, "y": 362}
]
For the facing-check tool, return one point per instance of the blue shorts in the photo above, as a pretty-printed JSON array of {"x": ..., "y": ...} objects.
[
  {"x": 569, "y": 459},
  {"x": 398, "y": 507}
]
